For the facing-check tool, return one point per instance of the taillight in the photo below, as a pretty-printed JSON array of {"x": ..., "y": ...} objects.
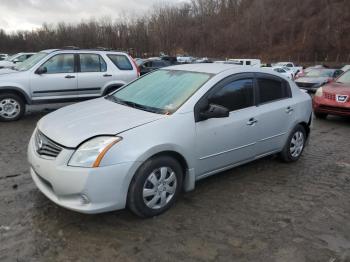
[{"x": 137, "y": 68}]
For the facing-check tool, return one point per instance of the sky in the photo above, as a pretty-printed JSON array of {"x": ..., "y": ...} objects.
[{"x": 31, "y": 14}]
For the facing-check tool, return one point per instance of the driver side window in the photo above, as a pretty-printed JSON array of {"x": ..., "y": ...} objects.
[
  {"x": 235, "y": 95},
  {"x": 63, "y": 63}
]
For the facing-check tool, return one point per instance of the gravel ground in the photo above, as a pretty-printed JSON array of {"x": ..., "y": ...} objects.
[{"x": 263, "y": 211}]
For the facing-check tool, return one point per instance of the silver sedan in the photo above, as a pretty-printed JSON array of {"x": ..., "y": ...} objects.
[{"x": 141, "y": 145}]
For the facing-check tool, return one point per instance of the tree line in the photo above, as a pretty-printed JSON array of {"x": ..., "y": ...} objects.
[{"x": 303, "y": 30}]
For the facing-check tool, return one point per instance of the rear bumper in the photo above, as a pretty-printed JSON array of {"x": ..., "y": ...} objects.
[{"x": 322, "y": 105}]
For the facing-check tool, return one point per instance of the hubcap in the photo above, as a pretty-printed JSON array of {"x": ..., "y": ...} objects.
[
  {"x": 159, "y": 187},
  {"x": 9, "y": 108},
  {"x": 297, "y": 144}
]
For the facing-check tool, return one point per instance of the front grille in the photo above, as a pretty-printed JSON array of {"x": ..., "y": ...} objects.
[
  {"x": 305, "y": 85},
  {"x": 329, "y": 96},
  {"x": 336, "y": 109},
  {"x": 45, "y": 146}
]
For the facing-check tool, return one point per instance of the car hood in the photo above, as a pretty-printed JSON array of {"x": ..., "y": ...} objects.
[
  {"x": 316, "y": 80},
  {"x": 7, "y": 71},
  {"x": 71, "y": 125},
  {"x": 337, "y": 88}
]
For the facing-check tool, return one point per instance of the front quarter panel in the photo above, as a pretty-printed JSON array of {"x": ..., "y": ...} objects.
[{"x": 173, "y": 133}]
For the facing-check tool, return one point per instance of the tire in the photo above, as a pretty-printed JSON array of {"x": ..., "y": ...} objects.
[
  {"x": 148, "y": 190},
  {"x": 298, "y": 135},
  {"x": 321, "y": 115},
  {"x": 12, "y": 107}
]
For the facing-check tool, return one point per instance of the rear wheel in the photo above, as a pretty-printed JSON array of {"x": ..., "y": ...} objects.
[
  {"x": 320, "y": 115},
  {"x": 12, "y": 107},
  {"x": 155, "y": 186},
  {"x": 295, "y": 145}
]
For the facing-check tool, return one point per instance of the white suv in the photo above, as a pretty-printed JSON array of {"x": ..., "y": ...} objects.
[{"x": 62, "y": 75}]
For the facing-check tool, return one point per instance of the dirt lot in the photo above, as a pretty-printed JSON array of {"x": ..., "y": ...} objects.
[{"x": 263, "y": 211}]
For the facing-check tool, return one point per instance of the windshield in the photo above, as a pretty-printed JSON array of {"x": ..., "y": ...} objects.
[
  {"x": 320, "y": 73},
  {"x": 162, "y": 91},
  {"x": 344, "y": 78},
  {"x": 30, "y": 62},
  {"x": 9, "y": 58}
]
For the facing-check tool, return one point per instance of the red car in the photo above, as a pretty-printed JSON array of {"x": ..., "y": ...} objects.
[{"x": 333, "y": 98}]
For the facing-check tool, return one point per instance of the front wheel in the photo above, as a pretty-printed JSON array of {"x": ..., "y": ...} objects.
[
  {"x": 12, "y": 107},
  {"x": 155, "y": 186},
  {"x": 295, "y": 145}
]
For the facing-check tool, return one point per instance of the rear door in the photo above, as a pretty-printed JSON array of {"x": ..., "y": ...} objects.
[
  {"x": 123, "y": 70},
  {"x": 276, "y": 112},
  {"x": 59, "y": 81},
  {"x": 92, "y": 74}
]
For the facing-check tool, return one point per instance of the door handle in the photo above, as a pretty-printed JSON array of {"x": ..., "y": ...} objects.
[
  {"x": 289, "y": 110},
  {"x": 107, "y": 75},
  {"x": 252, "y": 121},
  {"x": 69, "y": 76}
]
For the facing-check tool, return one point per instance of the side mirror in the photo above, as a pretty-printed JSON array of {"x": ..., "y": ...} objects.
[
  {"x": 41, "y": 70},
  {"x": 214, "y": 111},
  {"x": 15, "y": 61}
]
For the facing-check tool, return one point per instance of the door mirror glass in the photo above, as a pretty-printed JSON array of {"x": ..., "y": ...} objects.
[
  {"x": 41, "y": 70},
  {"x": 214, "y": 111}
]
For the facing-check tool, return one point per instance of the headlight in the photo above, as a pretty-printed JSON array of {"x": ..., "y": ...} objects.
[
  {"x": 91, "y": 153},
  {"x": 319, "y": 92}
]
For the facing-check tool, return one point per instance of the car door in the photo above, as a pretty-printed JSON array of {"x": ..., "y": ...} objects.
[
  {"x": 55, "y": 79},
  {"x": 92, "y": 74},
  {"x": 276, "y": 112},
  {"x": 223, "y": 142}
]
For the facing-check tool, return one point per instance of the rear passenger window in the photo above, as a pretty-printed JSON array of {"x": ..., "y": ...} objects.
[
  {"x": 121, "y": 61},
  {"x": 235, "y": 95},
  {"x": 92, "y": 63},
  {"x": 272, "y": 89}
]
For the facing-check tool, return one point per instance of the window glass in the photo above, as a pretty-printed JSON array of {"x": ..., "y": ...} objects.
[
  {"x": 121, "y": 61},
  {"x": 344, "y": 78},
  {"x": 161, "y": 91},
  {"x": 30, "y": 62},
  {"x": 63, "y": 63},
  {"x": 271, "y": 89},
  {"x": 21, "y": 58},
  {"x": 92, "y": 63},
  {"x": 235, "y": 95}
]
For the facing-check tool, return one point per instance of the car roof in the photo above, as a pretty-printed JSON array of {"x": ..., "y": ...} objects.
[
  {"x": 217, "y": 68},
  {"x": 82, "y": 51}
]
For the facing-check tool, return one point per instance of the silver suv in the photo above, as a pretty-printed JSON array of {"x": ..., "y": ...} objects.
[{"x": 62, "y": 75}]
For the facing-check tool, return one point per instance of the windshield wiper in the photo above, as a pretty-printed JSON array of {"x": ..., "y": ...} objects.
[{"x": 135, "y": 105}]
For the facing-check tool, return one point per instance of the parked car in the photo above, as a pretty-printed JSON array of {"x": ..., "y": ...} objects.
[
  {"x": 185, "y": 59},
  {"x": 60, "y": 76},
  {"x": 345, "y": 68},
  {"x": 172, "y": 60},
  {"x": 139, "y": 146},
  {"x": 246, "y": 62},
  {"x": 14, "y": 60},
  {"x": 316, "y": 78},
  {"x": 296, "y": 69},
  {"x": 304, "y": 71},
  {"x": 283, "y": 71},
  {"x": 3, "y": 56},
  {"x": 202, "y": 60},
  {"x": 333, "y": 98},
  {"x": 150, "y": 65}
]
